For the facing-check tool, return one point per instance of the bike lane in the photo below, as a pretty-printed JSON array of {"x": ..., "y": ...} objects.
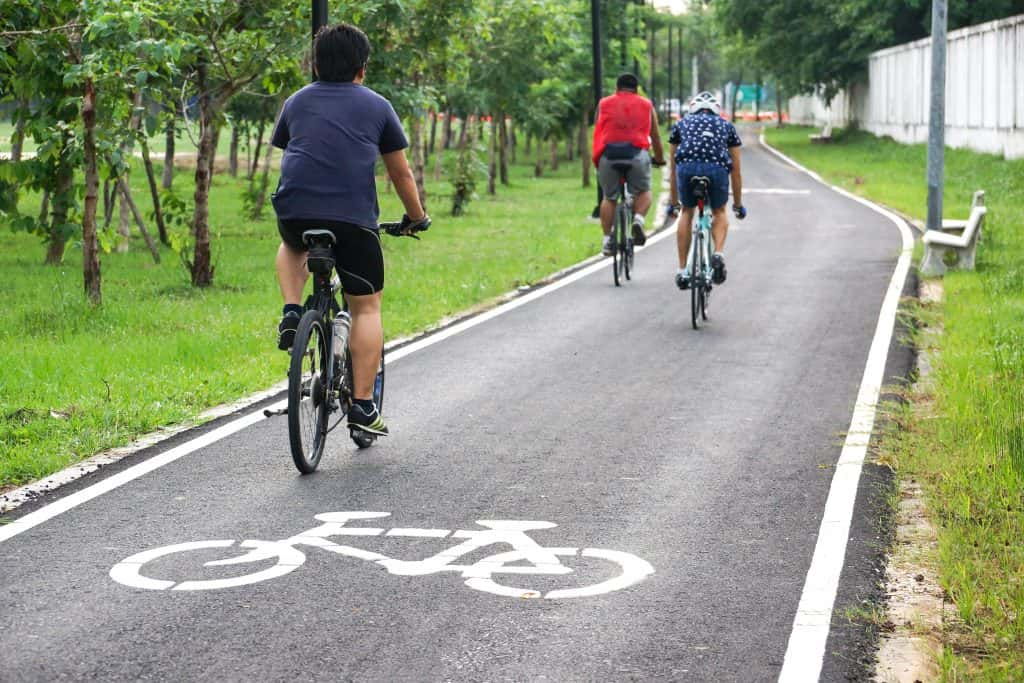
[{"x": 706, "y": 454}]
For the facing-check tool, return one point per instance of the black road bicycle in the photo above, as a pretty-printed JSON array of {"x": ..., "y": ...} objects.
[{"x": 320, "y": 383}]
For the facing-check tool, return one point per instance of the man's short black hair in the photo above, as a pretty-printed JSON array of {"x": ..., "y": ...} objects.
[
  {"x": 339, "y": 52},
  {"x": 627, "y": 81}
]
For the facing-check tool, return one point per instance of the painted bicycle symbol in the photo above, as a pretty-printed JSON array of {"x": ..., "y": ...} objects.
[{"x": 527, "y": 557}]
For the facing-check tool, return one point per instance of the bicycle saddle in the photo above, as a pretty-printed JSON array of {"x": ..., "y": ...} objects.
[
  {"x": 622, "y": 167},
  {"x": 311, "y": 237},
  {"x": 699, "y": 185}
]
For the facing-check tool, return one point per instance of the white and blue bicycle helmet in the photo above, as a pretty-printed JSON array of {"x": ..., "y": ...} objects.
[{"x": 705, "y": 100}]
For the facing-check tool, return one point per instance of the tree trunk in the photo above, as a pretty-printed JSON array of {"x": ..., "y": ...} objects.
[
  {"x": 44, "y": 207},
  {"x": 503, "y": 148},
  {"x": 60, "y": 203},
  {"x": 585, "y": 149},
  {"x": 168, "y": 178},
  {"x": 513, "y": 140},
  {"x": 492, "y": 158},
  {"x": 416, "y": 142},
  {"x": 446, "y": 134},
  {"x": 568, "y": 146},
  {"x": 124, "y": 226},
  {"x": 201, "y": 266},
  {"x": 233, "y": 153},
  {"x": 433, "y": 133},
  {"x": 154, "y": 193},
  {"x": 778, "y": 106},
  {"x": 529, "y": 142},
  {"x": 554, "y": 153},
  {"x": 538, "y": 167},
  {"x": 126, "y": 200},
  {"x": 91, "y": 275},
  {"x": 261, "y": 199},
  {"x": 260, "y": 131},
  {"x": 108, "y": 201},
  {"x": 18, "y": 139}
]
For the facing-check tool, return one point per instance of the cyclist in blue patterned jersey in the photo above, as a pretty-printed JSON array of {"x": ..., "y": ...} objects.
[{"x": 705, "y": 144}]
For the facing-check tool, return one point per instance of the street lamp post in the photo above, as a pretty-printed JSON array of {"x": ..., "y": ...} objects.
[
  {"x": 937, "y": 116},
  {"x": 595, "y": 41}
]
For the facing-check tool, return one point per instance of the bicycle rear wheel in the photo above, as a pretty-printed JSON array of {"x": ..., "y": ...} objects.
[
  {"x": 625, "y": 241},
  {"x": 308, "y": 393},
  {"x": 696, "y": 280}
]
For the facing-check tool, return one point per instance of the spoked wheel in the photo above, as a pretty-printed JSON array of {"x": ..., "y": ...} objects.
[
  {"x": 705, "y": 301},
  {"x": 308, "y": 394},
  {"x": 360, "y": 438},
  {"x": 696, "y": 285},
  {"x": 625, "y": 243}
]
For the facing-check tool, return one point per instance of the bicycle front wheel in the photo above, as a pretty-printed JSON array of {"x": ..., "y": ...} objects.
[
  {"x": 625, "y": 241},
  {"x": 308, "y": 393}
]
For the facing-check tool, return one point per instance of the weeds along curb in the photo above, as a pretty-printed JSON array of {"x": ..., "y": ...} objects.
[
  {"x": 915, "y": 610},
  {"x": 12, "y": 499}
]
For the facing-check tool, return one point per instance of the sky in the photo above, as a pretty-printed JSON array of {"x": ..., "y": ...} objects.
[{"x": 676, "y": 6}]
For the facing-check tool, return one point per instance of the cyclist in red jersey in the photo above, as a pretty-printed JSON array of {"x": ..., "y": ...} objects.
[{"x": 626, "y": 130}]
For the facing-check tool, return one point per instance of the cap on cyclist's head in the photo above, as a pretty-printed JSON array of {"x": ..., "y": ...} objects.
[
  {"x": 627, "y": 81},
  {"x": 340, "y": 52},
  {"x": 705, "y": 100}
]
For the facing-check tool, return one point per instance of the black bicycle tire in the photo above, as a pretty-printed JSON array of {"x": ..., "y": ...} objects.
[
  {"x": 306, "y": 462},
  {"x": 615, "y": 259},
  {"x": 626, "y": 243},
  {"x": 695, "y": 282}
]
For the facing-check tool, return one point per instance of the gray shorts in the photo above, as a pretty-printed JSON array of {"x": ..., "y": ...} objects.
[{"x": 638, "y": 175}]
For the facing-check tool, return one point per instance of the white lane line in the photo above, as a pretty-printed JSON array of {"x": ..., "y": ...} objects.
[
  {"x": 773, "y": 190},
  {"x": 61, "y": 506},
  {"x": 805, "y": 652}
]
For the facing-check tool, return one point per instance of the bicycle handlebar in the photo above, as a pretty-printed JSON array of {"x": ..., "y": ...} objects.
[{"x": 406, "y": 227}]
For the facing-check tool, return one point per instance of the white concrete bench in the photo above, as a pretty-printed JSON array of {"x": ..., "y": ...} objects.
[
  {"x": 958, "y": 237},
  {"x": 825, "y": 136}
]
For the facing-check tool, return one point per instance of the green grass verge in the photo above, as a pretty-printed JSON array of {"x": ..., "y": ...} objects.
[
  {"x": 967, "y": 446},
  {"x": 75, "y": 380}
]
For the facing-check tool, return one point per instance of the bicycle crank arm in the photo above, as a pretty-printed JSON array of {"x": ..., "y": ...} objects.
[{"x": 271, "y": 413}]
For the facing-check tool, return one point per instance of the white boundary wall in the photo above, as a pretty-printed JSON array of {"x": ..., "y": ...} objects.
[{"x": 984, "y": 91}]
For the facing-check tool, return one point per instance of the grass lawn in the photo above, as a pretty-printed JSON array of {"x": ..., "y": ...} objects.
[
  {"x": 965, "y": 441},
  {"x": 75, "y": 380}
]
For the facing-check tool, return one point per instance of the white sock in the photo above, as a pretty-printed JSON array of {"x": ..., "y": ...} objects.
[{"x": 638, "y": 218}]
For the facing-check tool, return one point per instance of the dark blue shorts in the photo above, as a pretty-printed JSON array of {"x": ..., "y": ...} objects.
[{"x": 719, "y": 176}]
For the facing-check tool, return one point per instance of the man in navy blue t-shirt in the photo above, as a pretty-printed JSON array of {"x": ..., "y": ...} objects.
[
  {"x": 332, "y": 132},
  {"x": 704, "y": 144}
]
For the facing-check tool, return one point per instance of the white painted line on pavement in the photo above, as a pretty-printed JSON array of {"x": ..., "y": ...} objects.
[
  {"x": 805, "y": 652},
  {"x": 773, "y": 190},
  {"x": 69, "y": 502}
]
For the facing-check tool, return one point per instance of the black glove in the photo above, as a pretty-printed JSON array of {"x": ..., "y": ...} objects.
[
  {"x": 410, "y": 226},
  {"x": 740, "y": 211}
]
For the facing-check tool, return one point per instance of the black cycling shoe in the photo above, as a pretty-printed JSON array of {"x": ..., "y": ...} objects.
[
  {"x": 639, "y": 238},
  {"x": 682, "y": 282},
  {"x": 372, "y": 423},
  {"x": 717, "y": 269},
  {"x": 609, "y": 248},
  {"x": 286, "y": 330}
]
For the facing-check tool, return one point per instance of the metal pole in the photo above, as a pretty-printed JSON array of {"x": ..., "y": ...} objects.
[
  {"x": 696, "y": 76},
  {"x": 937, "y": 116},
  {"x": 668, "y": 91},
  {"x": 595, "y": 41},
  {"x": 319, "y": 15}
]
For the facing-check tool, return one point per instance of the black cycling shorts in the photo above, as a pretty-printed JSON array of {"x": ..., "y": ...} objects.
[{"x": 357, "y": 253}]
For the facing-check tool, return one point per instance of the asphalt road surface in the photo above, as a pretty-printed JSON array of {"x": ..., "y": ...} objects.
[{"x": 699, "y": 461}]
